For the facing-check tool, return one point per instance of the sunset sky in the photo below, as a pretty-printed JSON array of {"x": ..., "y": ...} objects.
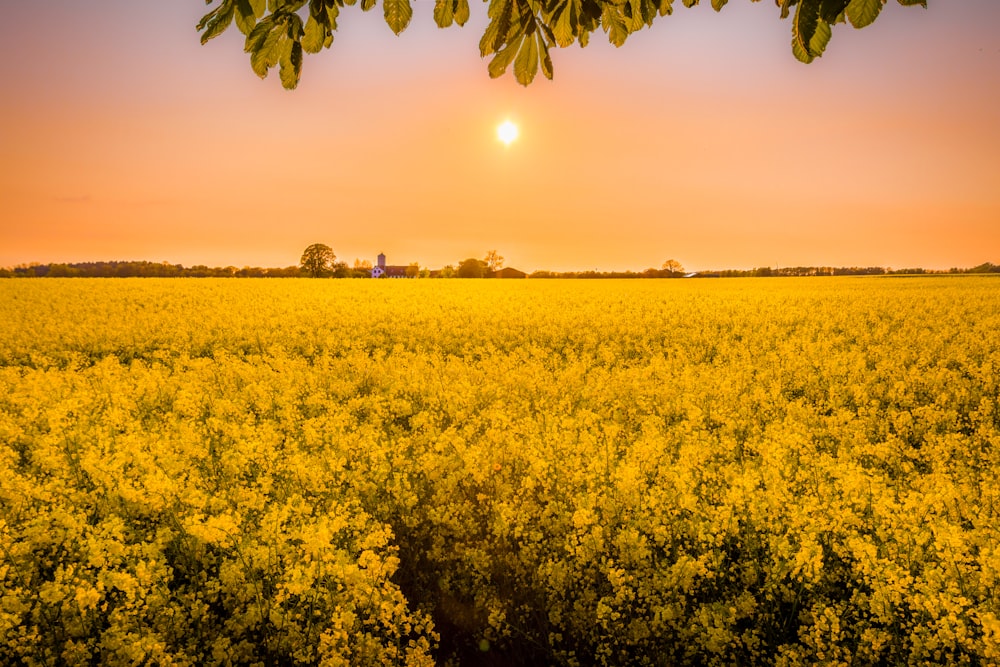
[{"x": 702, "y": 140}]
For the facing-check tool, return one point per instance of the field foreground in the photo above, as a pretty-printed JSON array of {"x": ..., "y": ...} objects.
[{"x": 488, "y": 472}]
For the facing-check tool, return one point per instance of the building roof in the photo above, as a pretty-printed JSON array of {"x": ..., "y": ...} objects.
[{"x": 509, "y": 272}]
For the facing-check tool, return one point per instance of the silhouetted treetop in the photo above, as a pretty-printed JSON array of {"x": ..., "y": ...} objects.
[{"x": 520, "y": 32}]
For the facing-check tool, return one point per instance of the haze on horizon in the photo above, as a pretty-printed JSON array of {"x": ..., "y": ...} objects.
[{"x": 702, "y": 139}]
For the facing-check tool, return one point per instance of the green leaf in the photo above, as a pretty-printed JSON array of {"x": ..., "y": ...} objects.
[
  {"x": 911, "y": 3},
  {"x": 317, "y": 10},
  {"x": 505, "y": 22},
  {"x": 528, "y": 24},
  {"x": 367, "y": 5},
  {"x": 614, "y": 25},
  {"x": 817, "y": 45},
  {"x": 548, "y": 39},
  {"x": 488, "y": 39},
  {"x": 293, "y": 27},
  {"x": 258, "y": 64},
  {"x": 801, "y": 54},
  {"x": 717, "y": 5},
  {"x": 266, "y": 55},
  {"x": 259, "y": 7},
  {"x": 461, "y": 11},
  {"x": 296, "y": 58},
  {"x": 785, "y": 4},
  {"x": 315, "y": 38},
  {"x": 245, "y": 18},
  {"x": 291, "y": 66},
  {"x": 211, "y": 16},
  {"x": 397, "y": 14},
  {"x": 804, "y": 23},
  {"x": 565, "y": 25},
  {"x": 332, "y": 12},
  {"x": 863, "y": 12},
  {"x": 546, "y": 59},
  {"x": 830, "y": 10},
  {"x": 526, "y": 63},
  {"x": 649, "y": 11},
  {"x": 503, "y": 59},
  {"x": 690, "y": 3},
  {"x": 255, "y": 40},
  {"x": 666, "y": 7},
  {"x": 635, "y": 20},
  {"x": 444, "y": 13},
  {"x": 499, "y": 30},
  {"x": 215, "y": 22}
]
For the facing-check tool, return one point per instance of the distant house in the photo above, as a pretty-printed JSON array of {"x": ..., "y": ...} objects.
[
  {"x": 509, "y": 272},
  {"x": 383, "y": 270}
]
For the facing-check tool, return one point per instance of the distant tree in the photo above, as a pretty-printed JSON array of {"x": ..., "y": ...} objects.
[
  {"x": 472, "y": 268},
  {"x": 198, "y": 271},
  {"x": 672, "y": 267},
  {"x": 447, "y": 271},
  {"x": 413, "y": 270},
  {"x": 61, "y": 271},
  {"x": 986, "y": 267},
  {"x": 287, "y": 272},
  {"x": 317, "y": 260},
  {"x": 342, "y": 270},
  {"x": 519, "y": 33},
  {"x": 494, "y": 261}
]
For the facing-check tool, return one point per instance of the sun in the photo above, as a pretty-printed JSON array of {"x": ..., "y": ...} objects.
[{"x": 507, "y": 132}]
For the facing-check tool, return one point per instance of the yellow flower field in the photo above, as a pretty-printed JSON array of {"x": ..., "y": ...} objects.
[{"x": 759, "y": 471}]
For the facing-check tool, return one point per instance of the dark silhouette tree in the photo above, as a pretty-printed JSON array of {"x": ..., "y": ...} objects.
[
  {"x": 472, "y": 268},
  {"x": 673, "y": 267},
  {"x": 520, "y": 32},
  {"x": 317, "y": 260},
  {"x": 494, "y": 261}
]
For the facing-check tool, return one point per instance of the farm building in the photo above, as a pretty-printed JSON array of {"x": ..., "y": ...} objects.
[
  {"x": 383, "y": 270},
  {"x": 509, "y": 272}
]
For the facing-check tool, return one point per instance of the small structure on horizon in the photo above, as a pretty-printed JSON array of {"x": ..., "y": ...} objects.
[
  {"x": 383, "y": 270},
  {"x": 509, "y": 272}
]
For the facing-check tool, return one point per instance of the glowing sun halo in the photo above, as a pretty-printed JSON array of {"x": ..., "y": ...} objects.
[{"x": 507, "y": 132}]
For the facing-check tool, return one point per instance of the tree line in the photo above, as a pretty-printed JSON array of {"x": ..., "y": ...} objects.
[
  {"x": 469, "y": 268},
  {"x": 142, "y": 269}
]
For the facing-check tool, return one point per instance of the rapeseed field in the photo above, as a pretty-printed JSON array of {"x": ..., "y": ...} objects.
[{"x": 671, "y": 472}]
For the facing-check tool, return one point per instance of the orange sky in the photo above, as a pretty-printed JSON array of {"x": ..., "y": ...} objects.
[{"x": 701, "y": 140}]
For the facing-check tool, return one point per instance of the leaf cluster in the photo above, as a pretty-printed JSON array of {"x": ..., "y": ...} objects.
[
  {"x": 520, "y": 32},
  {"x": 813, "y": 19}
]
